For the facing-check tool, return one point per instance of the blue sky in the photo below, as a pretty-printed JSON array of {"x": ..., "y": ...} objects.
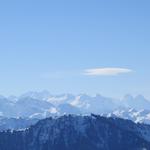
[{"x": 51, "y": 44}]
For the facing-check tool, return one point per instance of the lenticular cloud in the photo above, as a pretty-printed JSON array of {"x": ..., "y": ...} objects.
[{"x": 106, "y": 71}]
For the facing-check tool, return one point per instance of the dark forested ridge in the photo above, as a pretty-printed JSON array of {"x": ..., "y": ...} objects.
[{"x": 79, "y": 133}]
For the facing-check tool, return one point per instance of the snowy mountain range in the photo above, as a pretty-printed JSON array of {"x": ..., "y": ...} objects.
[{"x": 40, "y": 105}]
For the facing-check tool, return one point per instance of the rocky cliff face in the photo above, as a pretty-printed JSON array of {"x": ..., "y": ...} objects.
[{"x": 79, "y": 133}]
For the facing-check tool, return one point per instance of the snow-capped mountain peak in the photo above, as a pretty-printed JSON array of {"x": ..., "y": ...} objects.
[{"x": 43, "y": 104}]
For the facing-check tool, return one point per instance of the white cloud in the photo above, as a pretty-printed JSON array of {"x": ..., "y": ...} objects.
[{"x": 106, "y": 71}]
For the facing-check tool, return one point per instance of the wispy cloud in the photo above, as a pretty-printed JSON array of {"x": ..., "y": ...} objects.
[
  {"x": 60, "y": 74},
  {"x": 106, "y": 71}
]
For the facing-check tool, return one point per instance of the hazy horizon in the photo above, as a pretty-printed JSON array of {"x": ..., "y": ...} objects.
[{"x": 42, "y": 92}]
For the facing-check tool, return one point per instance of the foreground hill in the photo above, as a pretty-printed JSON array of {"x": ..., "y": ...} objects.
[{"x": 79, "y": 133}]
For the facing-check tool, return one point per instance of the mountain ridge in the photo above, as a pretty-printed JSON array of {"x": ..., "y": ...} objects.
[{"x": 72, "y": 132}]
